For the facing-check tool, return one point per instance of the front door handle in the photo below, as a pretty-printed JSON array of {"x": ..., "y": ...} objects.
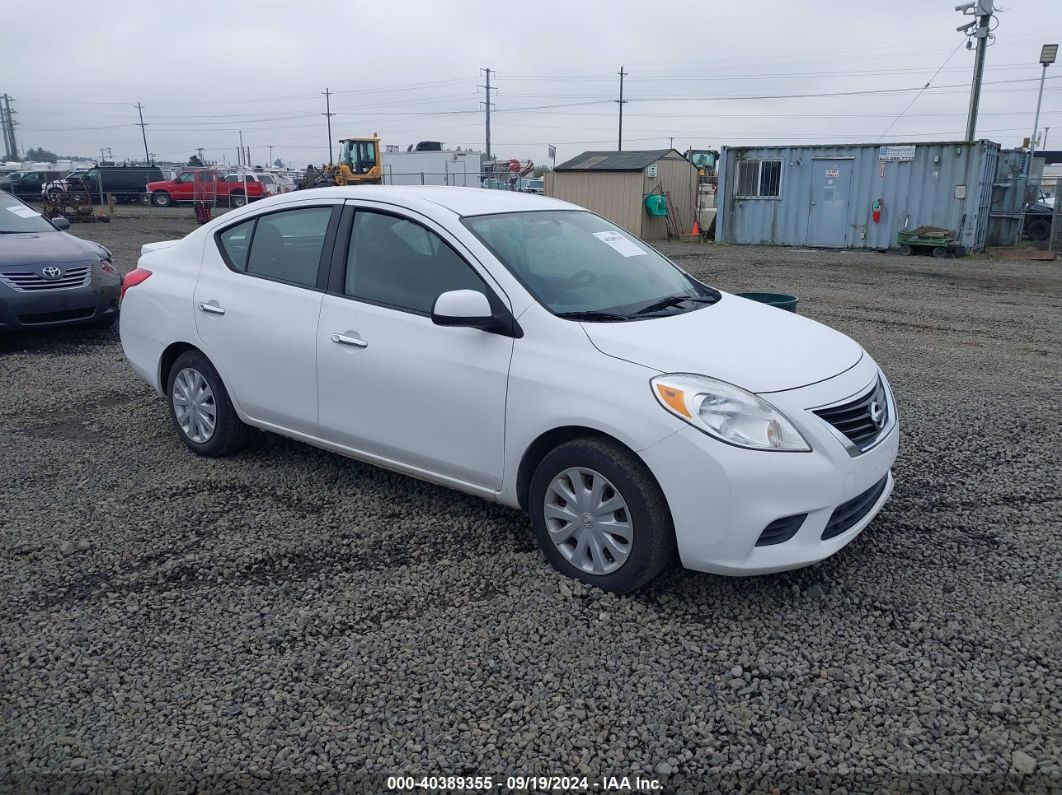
[
  {"x": 343, "y": 339},
  {"x": 212, "y": 309}
]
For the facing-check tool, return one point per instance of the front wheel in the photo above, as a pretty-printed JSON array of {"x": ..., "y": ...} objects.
[
  {"x": 600, "y": 516},
  {"x": 161, "y": 199},
  {"x": 201, "y": 410},
  {"x": 237, "y": 200}
]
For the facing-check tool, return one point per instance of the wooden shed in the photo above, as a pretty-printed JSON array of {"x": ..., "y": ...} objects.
[{"x": 616, "y": 184}]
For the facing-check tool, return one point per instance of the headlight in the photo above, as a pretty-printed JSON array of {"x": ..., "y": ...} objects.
[{"x": 727, "y": 412}]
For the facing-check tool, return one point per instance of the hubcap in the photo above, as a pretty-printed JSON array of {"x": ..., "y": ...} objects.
[
  {"x": 588, "y": 521},
  {"x": 194, "y": 406}
]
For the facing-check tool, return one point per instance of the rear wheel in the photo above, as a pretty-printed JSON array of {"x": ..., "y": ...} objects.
[
  {"x": 600, "y": 516},
  {"x": 1038, "y": 229},
  {"x": 161, "y": 199},
  {"x": 940, "y": 252},
  {"x": 906, "y": 251},
  {"x": 201, "y": 410},
  {"x": 237, "y": 200}
]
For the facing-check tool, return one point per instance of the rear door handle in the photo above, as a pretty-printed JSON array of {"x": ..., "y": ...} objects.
[
  {"x": 212, "y": 309},
  {"x": 343, "y": 339}
]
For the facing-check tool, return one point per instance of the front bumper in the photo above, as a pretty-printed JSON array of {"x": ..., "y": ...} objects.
[
  {"x": 723, "y": 497},
  {"x": 26, "y": 311}
]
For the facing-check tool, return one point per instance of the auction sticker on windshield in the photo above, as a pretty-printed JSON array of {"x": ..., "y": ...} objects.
[
  {"x": 624, "y": 245},
  {"x": 23, "y": 212}
]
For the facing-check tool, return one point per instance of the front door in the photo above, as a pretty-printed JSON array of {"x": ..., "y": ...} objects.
[
  {"x": 256, "y": 307},
  {"x": 393, "y": 384},
  {"x": 831, "y": 182}
]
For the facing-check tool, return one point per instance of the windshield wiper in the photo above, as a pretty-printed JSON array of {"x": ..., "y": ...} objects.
[
  {"x": 592, "y": 315},
  {"x": 674, "y": 300}
]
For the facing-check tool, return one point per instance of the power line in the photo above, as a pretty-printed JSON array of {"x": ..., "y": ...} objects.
[{"x": 920, "y": 93}]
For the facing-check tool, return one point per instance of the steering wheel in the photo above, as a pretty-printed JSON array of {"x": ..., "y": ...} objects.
[{"x": 581, "y": 278}]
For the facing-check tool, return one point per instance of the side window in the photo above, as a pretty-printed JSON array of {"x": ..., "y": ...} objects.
[
  {"x": 399, "y": 263},
  {"x": 187, "y": 176},
  {"x": 236, "y": 242},
  {"x": 287, "y": 245}
]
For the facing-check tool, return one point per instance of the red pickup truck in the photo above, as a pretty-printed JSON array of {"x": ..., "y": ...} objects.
[{"x": 208, "y": 184}]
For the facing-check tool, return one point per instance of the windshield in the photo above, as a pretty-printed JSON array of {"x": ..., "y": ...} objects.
[
  {"x": 579, "y": 265},
  {"x": 16, "y": 217}
]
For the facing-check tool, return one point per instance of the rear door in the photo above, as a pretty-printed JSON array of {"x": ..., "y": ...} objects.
[{"x": 257, "y": 302}]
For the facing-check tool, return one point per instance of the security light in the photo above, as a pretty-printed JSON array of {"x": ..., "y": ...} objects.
[{"x": 1048, "y": 53}]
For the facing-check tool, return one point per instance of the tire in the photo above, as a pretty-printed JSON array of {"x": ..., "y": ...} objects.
[
  {"x": 161, "y": 199},
  {"x": 229, "y": 433},
  {"x": 237, "y": 200},
  {"x": 1038, "y": 229},
  {"x": 940, "y": 252},
  {"x": 906, "y": 251},
  {"x": 650, "y": 547}
]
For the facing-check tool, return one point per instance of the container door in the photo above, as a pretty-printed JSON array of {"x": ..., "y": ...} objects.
[{"x": 831, "y": 183}]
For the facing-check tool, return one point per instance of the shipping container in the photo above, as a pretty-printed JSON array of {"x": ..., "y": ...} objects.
[{"x": 856, "y": 195}]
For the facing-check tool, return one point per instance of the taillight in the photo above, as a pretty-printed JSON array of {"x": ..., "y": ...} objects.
[{"x": 132, "y": 279}]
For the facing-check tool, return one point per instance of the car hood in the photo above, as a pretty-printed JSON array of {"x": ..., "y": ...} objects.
[
  {"x": 32, "y": 248},
  {"x": 751, "y": 345}
]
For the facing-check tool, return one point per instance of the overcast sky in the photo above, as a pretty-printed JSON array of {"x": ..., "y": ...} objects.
[{"x": 409, "y": 71}]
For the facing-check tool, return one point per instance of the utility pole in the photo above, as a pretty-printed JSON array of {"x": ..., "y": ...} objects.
[
  {"x": 270, "y": 163},
  {"x": 488, "y": 105},
  {"x": 328, "y": 114},
  {"x": 621, "y": 101},
  {"x": 671, "y": 141},
  {"x": 7, "y": 121},
  {"x": 978, "y": 29},
  {"x": 243, "y": 161},
  {"x": 143, "y": 132}
]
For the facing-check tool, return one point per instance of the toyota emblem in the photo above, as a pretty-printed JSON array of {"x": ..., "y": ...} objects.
[
  {"x": 51, "y": 272},
  {"x": 877, "y": 414}
]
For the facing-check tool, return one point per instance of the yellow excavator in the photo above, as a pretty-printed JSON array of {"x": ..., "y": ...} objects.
[{"x": 359, "y": 164}]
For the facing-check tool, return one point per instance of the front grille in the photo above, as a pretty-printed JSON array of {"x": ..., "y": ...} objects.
[
  {"x": 848, "y": 514},
  {"x": 854, "y": 419},
  {"x": 56, "y": 317},
  {"x": 781, "y": 530},
  {"x": 33, "y": 281}
]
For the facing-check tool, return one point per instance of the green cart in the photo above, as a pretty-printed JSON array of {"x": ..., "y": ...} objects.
[{"x": 930, "y": 240}]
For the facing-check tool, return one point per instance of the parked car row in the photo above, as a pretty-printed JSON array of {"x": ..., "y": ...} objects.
[
  {"x": 234, "y": 189},
  {"x": 133, "y": 184}
]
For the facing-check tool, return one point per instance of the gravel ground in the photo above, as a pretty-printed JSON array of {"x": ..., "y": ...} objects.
[{"x": 289, "y": 619}]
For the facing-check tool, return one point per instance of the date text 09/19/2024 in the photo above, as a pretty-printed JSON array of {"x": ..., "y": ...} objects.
[{"x": 523, "y": 783}]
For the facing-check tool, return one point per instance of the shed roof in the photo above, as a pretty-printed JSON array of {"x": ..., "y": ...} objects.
[{"x": 614, "y": 161}]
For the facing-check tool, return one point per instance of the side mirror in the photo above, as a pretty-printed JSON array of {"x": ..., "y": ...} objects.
[
  {"x": 468, "y": 308},
  {"x": 472, "y": 309},
  {"x": 61, "y": 224}
]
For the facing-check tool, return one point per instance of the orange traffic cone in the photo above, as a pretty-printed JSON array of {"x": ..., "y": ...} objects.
[{"x": 696, "y": 231}]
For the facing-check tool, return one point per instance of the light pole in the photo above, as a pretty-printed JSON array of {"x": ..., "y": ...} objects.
[{"x": 1047, "y": 57}]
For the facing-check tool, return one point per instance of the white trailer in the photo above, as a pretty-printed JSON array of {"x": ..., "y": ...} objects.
[{"x": 463, "y": 169}]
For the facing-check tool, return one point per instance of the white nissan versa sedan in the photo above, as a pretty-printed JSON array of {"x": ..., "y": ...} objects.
[{"x": 527, "y": 351}]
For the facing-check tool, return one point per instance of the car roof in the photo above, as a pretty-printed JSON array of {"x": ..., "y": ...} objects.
[{"x": 462, "y": 201}]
